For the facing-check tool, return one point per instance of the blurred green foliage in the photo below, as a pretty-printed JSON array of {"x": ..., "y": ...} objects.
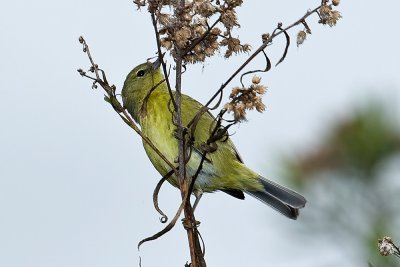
[{"x": 351, "y": 186}]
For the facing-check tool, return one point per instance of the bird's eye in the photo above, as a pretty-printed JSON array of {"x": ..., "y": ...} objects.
[{"x": 140, "y": 73}]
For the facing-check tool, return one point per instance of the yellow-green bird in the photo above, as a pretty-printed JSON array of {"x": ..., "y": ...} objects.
[{"x": 145, "y": 96}]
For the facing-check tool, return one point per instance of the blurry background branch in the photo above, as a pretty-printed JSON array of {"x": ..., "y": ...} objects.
[{"x": 353, "y": 200}]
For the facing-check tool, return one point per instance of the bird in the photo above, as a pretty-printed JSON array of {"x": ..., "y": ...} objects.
[{"x": 146, "y": 97}]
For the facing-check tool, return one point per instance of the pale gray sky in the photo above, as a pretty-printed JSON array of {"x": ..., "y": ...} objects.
[{"x": 75, "y": 184}]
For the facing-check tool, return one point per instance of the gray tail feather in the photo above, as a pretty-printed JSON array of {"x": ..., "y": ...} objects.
[{"x": 280, "y": 198}]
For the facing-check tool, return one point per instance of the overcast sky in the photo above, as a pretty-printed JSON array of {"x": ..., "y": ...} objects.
[{"x": 75, "y": 184}]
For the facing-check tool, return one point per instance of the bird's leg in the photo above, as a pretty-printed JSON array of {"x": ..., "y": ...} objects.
[
  {"x": 198, "y": 196},
  {"x": 186, "y": 225},
  {"x": 197, "y": 192}
]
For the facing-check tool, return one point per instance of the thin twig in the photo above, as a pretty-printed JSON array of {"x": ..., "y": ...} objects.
[
  {"x": 164, "y": 218},
  {"x": 161, "y": 57},
  {"x": 201, "y": 38}
]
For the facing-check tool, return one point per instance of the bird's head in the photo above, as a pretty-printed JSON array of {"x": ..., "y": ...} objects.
[{"x": 142, "y": 79}]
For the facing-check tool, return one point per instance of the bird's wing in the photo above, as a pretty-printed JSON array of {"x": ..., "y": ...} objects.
[{"x": 204, "y": 127}]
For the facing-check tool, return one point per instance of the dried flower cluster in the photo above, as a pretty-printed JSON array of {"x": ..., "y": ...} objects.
[
  {"x": 187, "y": 31},
  {"x": 246, "y": 99},
  {"x": 301, "y": 37},
  {"x": 387, "y": 247},
  {"x": 328, "y": 15}
]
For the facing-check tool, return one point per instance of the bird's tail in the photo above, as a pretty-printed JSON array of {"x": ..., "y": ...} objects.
[{"x": 280, "y": 198}]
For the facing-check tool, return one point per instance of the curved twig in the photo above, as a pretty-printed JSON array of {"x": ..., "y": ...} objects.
[
  {"x": 164, "y": 218},
  {"x": 169, "y": 226},
  {"x": 267, "y": 68},
  {"x": 287, "y": 45}
]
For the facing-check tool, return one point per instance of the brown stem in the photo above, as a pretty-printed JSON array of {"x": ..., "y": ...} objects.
[{"x": 197, "y": 259}]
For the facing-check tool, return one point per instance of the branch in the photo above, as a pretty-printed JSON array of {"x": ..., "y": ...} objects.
[{"x": 259, "y": 50}]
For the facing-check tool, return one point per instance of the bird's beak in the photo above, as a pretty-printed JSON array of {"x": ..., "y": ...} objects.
[{"x": 156, "y": 64}]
